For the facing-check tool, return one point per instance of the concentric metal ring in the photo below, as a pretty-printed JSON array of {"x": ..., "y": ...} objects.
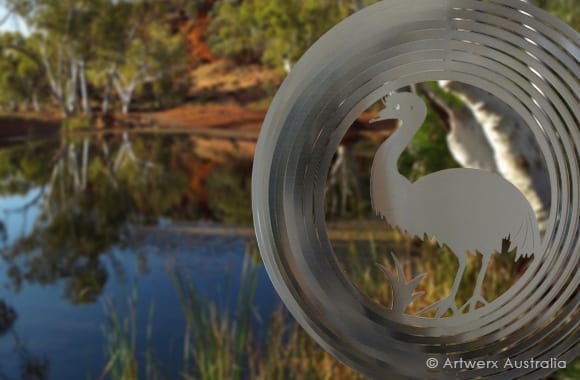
[{"x": 525, "y": 57}]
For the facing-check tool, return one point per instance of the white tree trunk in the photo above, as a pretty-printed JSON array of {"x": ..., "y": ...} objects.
[
  {"x": 106, "y": 106},
  {"x": 83, "y": 87},
  {"x": 489, "y": 122},
  {"x": 287, "y": 64},
  {"x": 55, "y": 86},
  {"x": 62, "y": 85},
  {"x": 125, "y": 103},
  {"x": 85, "y": 164},
  {"x": 466, "y": 140},
  {"x": 125, "y": 92},
  {"x": 71, "y": 93},
  {"x": 35, "y": 103}
]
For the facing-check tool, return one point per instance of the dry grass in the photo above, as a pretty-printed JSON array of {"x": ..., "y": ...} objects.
[
  {"x": 290, "y": 353},
  {"x": 363, "y": 265},
  {"x": 221, "y": 344}
]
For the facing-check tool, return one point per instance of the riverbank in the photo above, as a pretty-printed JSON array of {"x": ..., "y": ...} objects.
[{"x": 225, "y": 102}]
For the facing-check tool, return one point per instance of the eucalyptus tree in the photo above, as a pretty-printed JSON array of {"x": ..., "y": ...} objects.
[
  {"x": 10, "y": 85},
  {"x": 134, "y": 46},
  {"x": 62, "y": 33},
  {"x": 21, "y": 73},
  {"x": 485, "y": 133},
  {"x": 116, "y": 28},
  {"x": 113, "y": 46},
  {"x": 277, "y": 32},
  {"x": 152, "y": 56}
]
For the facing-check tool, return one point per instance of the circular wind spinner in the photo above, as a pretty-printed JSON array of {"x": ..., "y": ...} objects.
[{"x": 511, "y": 49}]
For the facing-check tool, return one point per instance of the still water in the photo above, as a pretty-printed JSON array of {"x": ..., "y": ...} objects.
[{"x": 73, "y": 251}]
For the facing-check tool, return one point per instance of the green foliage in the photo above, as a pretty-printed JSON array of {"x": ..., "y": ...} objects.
[
  {"x": 231, "y": 201},
  {"x": 164, "y": 60},
  {"x": 120, "y": 332},
  {"x": 76, "y": 122},
  {"x": 132, "y": 42},
  {"x": 216, "y": 344},
  {"x": 571, "y": 372},
  {"x": 79, "y": 222},
  {"x": 21, "y": 75},
  {"x": 566, "y": 10},
  {"x": 271, "y": 31},
  {"x": 427, "y": 152},
  {"x": 154, "y": 191},
  {"x": 140, "y": 57},
  {"x": 25, "y": 167},
  {"x": 128, "y": 43}
]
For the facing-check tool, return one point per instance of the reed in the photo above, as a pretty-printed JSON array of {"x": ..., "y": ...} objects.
[
  {"x": 121, "y": 332},
  {"x": 121, "y": 340},
  {"x": 220, "y": 343},
  {"x": 216, "y": 339},
  {"x": 363, "y": 262}
]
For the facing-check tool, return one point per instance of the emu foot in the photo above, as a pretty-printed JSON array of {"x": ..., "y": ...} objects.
[
  {"x": 471, "y": 305},
  {"x": 442, "y": 306}
]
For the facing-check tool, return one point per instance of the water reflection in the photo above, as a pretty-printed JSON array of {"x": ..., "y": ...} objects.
[
  {"x": 92, "y": 192},
  {"x": 69, "y": 213},
  {"x": 95, "y": 229},
  {"x": 31, "y": 366}
]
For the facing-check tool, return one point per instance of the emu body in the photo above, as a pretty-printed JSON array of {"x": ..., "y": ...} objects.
[{"x": 465, "y": 209}]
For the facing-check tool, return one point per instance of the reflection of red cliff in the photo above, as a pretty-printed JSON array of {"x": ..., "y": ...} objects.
[{"x": 199, "y": 172}]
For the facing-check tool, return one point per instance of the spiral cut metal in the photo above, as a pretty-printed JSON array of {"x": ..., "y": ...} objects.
[{"x": 522, "y": 55}]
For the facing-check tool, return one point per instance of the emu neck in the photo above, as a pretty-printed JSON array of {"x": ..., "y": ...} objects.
[
  {"x": 385, "y": 172},
  {"x": 390, "y": 190},
  {"x": 395, "y": 145}
]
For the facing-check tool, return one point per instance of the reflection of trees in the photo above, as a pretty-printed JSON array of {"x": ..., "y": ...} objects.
[
  {"x": 24, "y": 168},
  {"x": 7, "y": 317},
  {"x": 230, "y": 189},
  {"x": 343, "y": 188},
  {"x": 92, "y": 192},
  {"x": 33, "y": 367}
]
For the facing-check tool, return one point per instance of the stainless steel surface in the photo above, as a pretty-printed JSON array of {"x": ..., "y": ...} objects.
[{"x": 509, "y": 48}]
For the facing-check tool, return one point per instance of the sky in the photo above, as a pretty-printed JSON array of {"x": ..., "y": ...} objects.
[{"x": 13, "y": 23}]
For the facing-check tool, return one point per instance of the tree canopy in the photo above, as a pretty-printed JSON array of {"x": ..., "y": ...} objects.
[
  {"x": 85, "y": 55},
  {"x": 86, "y": 51}
]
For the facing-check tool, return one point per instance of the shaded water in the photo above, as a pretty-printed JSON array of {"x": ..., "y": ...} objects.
[{"x": 70, "y": 213}]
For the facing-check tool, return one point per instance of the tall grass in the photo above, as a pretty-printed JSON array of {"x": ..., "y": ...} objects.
[
  {"x": 216, "y": 340},
  {"x": 121, "y": 332},
  {"x": 220, "y": 343},
  {"x": 290, "y": 353},
  {"x": 359, "y": 261}
]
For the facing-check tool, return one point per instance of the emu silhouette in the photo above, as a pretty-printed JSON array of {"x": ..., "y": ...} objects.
[{"x": 465, "y": 209}]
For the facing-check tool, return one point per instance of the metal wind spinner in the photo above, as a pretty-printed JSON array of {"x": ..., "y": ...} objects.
[{"x": 522, "y": 55}]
